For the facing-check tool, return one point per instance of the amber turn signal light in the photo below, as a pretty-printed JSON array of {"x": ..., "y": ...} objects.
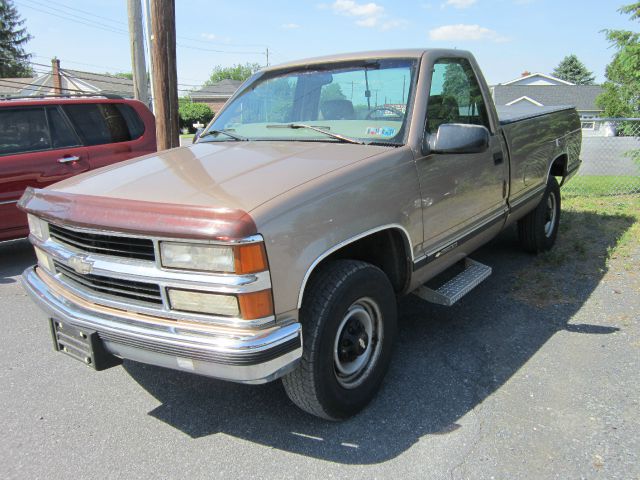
[
  {"x": 256, "y": 304},
  {"x": 251, "y": 258}
]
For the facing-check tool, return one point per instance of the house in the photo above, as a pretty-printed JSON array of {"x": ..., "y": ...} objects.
[
  {"x": 13, "y": 86},
  {"x": 66, "y": 82},
  {"x": 539, "y": 89},
  {"x": 217, "y": 94}
]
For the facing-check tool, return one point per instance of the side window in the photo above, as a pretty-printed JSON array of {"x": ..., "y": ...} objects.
[
  {"x": 455, "y": 95},
  {"x": 61, "y": 133},
  {"x": 23, "y": 130},
  {"x": 98, "y": 123},
  {"x": 132, "y": 119}
]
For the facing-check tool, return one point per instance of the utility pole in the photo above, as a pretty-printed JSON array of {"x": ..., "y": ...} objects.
[
  {"x": 140, "y": 90},
  {"x": 165, "y": 76},
  {"x": 148, "y": 36},
  {"x": 267, "y": 54}
]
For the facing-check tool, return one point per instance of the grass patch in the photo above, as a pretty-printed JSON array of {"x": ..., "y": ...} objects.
[
  {"x": 186, "y": 135},
  {"x": 617, "y": 212},
  {"x": 602, "y": 185},
  {"x": 597, "y": 234}
]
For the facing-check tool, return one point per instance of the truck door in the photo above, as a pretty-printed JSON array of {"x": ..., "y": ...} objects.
[{"x": 460, "y": 192}]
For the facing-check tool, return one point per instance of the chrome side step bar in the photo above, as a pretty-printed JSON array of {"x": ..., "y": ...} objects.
[{"x": 457, "y": 287}]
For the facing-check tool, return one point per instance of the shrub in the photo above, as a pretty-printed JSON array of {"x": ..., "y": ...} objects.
[{"x": 191, "y": 113}]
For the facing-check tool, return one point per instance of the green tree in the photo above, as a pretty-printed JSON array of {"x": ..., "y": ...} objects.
[
  {"x": 570, "y": 69},
  {"x": 125, "y": 75},
  {"x": 236, "y": 72},
  {"x": 332, "y": 91},
  {"x": 621, "y": 95},
  {"x": 456, "y": 84},
  {"x": 14, "y": 61},
  {"x": 190, "y": 113}
]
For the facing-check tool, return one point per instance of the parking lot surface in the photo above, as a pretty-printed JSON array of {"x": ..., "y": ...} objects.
[{"x": 507, "y": 383}]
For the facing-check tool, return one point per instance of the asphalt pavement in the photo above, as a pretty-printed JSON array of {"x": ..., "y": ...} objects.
[{"x": 500, "y": 385}]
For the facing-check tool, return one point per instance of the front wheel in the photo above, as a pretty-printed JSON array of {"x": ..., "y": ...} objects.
[
  {"x": 539, "y": 228},
  {"x": 348, "y": 325}
]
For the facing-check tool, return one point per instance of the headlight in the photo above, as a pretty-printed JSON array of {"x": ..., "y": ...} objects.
[
  {"x": 248, "y": 306},
  {"x": 213, "y": 258},
  {"x": 204, "y": 302},
  {"x": 44, "y": 260},
  {"x": 240, "y": 259},
  {"x": 37, "y": 227}
]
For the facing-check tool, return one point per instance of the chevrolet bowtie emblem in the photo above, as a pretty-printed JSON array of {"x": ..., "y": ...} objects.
[{"x": 81, "y": 264}]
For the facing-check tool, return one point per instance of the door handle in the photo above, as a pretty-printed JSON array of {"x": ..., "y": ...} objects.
[
  {"x": 70, "y": 159},
  {"x": 498, "y": 158}
]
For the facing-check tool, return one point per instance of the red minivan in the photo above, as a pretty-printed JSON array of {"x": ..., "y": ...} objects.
[{"x": 47, "y": 139}]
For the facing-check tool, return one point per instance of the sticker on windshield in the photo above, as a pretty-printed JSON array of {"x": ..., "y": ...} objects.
[{"x": 381, "y": 131}]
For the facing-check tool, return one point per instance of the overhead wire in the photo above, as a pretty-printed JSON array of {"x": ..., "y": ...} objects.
[{"x": 95, "y": 24}]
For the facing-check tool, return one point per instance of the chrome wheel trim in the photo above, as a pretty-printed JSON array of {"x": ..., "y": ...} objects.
[
  {"x": 351, "y": 374},
  {"x": 550, "y": 215}
]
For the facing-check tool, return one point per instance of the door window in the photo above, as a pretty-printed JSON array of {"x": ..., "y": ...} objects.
[
  {"x": 455, "y": 95},
  {"x": 61, "y": 133},
  {"x": 99, "y": 123},
  {"x": 23, "y": 130}
]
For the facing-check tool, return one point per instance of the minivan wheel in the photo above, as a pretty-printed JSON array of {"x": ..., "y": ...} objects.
[
  {"x": 348, "y": 321},
  {"x": 539, "y": 228}
]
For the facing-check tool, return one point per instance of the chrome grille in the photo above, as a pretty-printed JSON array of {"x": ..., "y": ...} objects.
[
  {"x": 139, "y": 291},
  {"x": 127, "y": 247}
]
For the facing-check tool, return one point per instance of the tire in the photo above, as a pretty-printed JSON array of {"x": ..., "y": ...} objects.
[
  {"x": 348, "y": 320},
  {"x": 539, "y": 228}
]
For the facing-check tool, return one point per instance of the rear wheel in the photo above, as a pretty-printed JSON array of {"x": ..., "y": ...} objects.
[
  {"x": 348, "y": 325},
  {"x": 539, "y": 228}
]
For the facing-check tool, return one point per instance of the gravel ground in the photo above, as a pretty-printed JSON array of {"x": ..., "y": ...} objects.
[{"x": 501, "y": 385}]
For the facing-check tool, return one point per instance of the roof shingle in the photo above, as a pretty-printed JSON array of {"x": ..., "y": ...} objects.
[{"x": 583, "y": 97}]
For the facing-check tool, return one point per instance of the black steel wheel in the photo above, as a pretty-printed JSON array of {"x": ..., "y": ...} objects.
[
  {"x": 539, "y": 228},
  {"x": 348, "y": 326}
]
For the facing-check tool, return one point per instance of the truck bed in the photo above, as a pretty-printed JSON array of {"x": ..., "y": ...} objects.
[{"x": 514, "y": 113}]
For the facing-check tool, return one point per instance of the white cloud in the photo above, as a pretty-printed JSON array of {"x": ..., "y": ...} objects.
[
  {"x": 209, "y": 36},
  {"x": 290, "y": 26},
  {"x": 464, "y": 32},
  {"x": 460, "y": 4},
  {"x": 367, "y": 15},
  {"x": 349, "y": 7}
]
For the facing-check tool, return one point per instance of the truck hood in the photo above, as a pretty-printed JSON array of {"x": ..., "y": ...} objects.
[{"x": 222, "y": 175}]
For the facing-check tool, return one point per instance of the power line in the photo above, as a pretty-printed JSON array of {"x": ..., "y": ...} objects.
[
  {"x": 35, "y": 88},
  {"x": 96, "y": 24},
  {"x": 102, "y": 67},
  {"x": 122, "y": 83},
  {"x": 86, "y": 23},
  {"x": 119, "y": 22}
]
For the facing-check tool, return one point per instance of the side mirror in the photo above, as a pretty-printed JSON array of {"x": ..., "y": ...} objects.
[
  {"x": 197, "y": 135},
  {"x": 457, "y": 138}
]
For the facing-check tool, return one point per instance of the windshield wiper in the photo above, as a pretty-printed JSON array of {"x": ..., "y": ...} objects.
[
  {"x": 224, "y": 132},
  {"x": 316, "y": 129}
]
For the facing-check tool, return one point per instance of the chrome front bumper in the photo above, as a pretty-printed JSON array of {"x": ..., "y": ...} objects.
[{"x": 249, "y": 356}]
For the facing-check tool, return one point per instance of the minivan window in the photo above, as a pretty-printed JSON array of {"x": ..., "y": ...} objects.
[
  {"x": 133, "y": 120},
  {"x": 23, "y": 130},
  {"x": 61, "y": 133},
  {"x": 98, "y": 123}
]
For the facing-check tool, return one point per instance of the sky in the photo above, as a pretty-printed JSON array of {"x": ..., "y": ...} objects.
[{"x": 507, "y": 37}]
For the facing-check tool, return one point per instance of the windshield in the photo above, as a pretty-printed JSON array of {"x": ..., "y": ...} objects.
[{"x": 362, "y": 102}]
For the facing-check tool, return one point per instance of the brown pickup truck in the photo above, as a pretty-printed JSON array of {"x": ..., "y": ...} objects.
[{"x": 277, "y": 244}]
